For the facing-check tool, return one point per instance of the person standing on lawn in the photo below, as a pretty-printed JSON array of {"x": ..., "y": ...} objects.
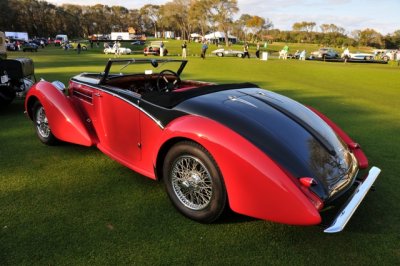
[
  {"x": 204, "y": 48},
  {"x": 162, "y": 48},
  {"x": 285, "y": 51},
  {"x": 258, "y": 50},
  {"x": 246, "y": 50},
  {"x": 184, "y": 47}
]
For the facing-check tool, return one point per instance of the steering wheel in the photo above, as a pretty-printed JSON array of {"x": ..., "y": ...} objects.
[{"x": 165, "y": 84}]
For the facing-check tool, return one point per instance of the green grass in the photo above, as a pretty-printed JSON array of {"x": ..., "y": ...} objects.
[{"x": 71, "y": 205}]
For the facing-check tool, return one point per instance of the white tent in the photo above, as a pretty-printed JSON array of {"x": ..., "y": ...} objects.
[
  {"x": 219, "y": 36},
  {"x": 196, "y": 37}
]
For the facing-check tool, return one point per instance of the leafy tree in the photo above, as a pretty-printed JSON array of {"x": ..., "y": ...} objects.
[
  {"x": 151, "y": 15},
  {"x": 221, "y": 13},
  {"x": 175, "y": 14},
  {"x": 239, "y": 26},
  {"x": 370, "y": 37},
  {"x": 198, "y": 15},
  {"x": 333, "y": 35},
  {"x": 305, "y": 27},
  {"x": 392, "y": 41},
  {"x": 6, "y": 15},
  {"x": 135, "y": 20},
  {"x": 256, "y": 24}
]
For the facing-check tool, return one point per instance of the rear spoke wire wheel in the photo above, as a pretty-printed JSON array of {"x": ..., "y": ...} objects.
[
  {"x": 194, "y": 182},
  {"x": 191, "y": 182}
]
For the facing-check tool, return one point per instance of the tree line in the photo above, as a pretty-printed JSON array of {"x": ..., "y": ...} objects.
[{"x": 42, "y": 19}]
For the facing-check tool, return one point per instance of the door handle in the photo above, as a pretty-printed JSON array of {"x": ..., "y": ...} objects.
[{"x": 97, "y": 94}]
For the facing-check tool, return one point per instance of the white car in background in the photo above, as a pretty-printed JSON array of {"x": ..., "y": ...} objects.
[
  {"x": 362, "y": 56},
  {"x": 122, "y": 50},
  {"x": 384, "y": 54},
  {"x": 222, "y": 52}
]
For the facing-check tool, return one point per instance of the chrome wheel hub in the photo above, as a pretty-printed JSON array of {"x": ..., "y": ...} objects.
[
  {"x": 191, "y": 182},
  {"x": 42, "y": 124}
]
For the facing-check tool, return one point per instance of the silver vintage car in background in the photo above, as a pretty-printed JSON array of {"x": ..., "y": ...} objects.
[
  {"x": 222, "y": 52},
  {"x": 325, "y": 53}
]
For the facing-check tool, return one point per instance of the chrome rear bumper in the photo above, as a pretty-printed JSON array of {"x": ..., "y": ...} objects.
[{"x": 345, "y": 214}]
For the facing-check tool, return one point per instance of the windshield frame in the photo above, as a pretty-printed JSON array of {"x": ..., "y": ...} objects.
[{"x": 154, "y": 62}]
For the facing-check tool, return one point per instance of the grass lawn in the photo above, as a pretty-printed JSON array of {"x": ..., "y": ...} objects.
[{"x": 71, "y": 205}]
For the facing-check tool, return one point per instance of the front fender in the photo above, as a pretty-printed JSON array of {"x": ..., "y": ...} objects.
[
  {"x": 255, "y": 184},
  {"x": 64, "y": 121}
]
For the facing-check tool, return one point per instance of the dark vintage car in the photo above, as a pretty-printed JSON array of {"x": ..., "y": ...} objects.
[
  {"x": 11, "y": 46},
  {"x": 41, "y": 42},
  {"x": 16, "y": 78},
  {"x": 74, "y": 45},
  {"x": 138, "y": 42},
  {"x": 30, "y": 46},
  {"x": 222, "y": 146}
]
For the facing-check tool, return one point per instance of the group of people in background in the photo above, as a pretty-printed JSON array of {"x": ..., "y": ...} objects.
[
  {"x": 398, "y": 57},
  {"x": 115, "y": 47},
  {"x": 284, "y": 54}
]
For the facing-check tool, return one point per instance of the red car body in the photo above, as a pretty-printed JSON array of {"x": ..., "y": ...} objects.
[{"x": 96, "y": 112}]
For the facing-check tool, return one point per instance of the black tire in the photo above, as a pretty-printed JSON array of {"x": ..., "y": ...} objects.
[
  {"x": 193, "y": 182},
  {"x": 220, "y": 54},
  {"x": 42, "y": 127},
  {"x": 240, "y": 55}
]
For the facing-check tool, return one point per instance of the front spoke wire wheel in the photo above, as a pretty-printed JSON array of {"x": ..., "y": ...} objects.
[{"x": 42, "y": 123}]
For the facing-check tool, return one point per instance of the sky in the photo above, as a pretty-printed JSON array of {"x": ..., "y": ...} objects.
[{"x": 382, "y": 15}]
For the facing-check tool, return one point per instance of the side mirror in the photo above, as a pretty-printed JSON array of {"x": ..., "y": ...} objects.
[
  {"x": 154, "y": 63},
  {"x": 59, "y": 85}
]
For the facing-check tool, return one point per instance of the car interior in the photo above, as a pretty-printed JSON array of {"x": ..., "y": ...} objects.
[
  {"x": 165, "y": 81},
  {"x": 164, "y": 88}
]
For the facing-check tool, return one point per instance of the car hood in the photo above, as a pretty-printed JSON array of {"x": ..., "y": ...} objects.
[{"x": 287, "y": 131}]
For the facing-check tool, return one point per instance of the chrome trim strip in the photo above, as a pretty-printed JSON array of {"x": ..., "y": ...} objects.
[
  {"x": 87, "y": 79},
  {"x": 158, "y": 122},
  {"x": 345, "y": 214},
  {"x": 83, "y": 96},
  {"x": 236, "y": 99}
]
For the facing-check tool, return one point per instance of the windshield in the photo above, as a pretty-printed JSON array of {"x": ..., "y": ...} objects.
[{"x": 142, "y": 66}]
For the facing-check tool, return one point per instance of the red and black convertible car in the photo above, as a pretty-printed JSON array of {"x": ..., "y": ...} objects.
[{"x": 215, "y": 146}]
